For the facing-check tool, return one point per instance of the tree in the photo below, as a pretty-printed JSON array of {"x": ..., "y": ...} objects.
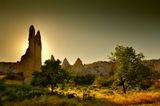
[
  {"x": 2, "y": 89},
  {"x": 130, "y": 71},
  {"x": 51, "y": 74},
  {"x": 84, "y": 79}
]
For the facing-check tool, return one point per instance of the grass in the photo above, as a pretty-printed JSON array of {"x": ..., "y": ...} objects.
[
  {"x": 84, "y": 96},
  {"x": 113, "y": 96},
  {"x": 14, "y": 82},
  {"x": 143, "y": 97},
  {"x": 55, "y": 100}
]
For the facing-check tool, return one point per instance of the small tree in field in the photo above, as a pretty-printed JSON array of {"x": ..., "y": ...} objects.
[
  {"x": 130, "y": 71},
  {"x": 51, "y": 74}
]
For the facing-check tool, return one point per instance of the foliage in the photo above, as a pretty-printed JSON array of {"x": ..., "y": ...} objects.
[
  {"x": 2, "y": 86},
  {"x": 130, "y": 70},
  {"x": 103, "y": 81},
  {"x": 14, "y": 76},
  {"x": 2, "y": 89},
  {"x": 110, "y": 98},
  {"x": 51, "y": 74},
  {"x": 23, "y": 92},
  {"x": 84, "y": 80}
]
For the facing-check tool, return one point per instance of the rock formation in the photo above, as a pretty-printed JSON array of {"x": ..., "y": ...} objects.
[
  {"x": 31, "y": 60},
  {"x": 100, "y": 68},
  {"x": 78, "y": 67},
  {"x": 65, "y": 64},
  {"x": 52, "y": 58},
  {"x": 6, "y": 67}
]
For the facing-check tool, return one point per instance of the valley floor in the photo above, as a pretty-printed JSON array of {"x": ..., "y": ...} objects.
[
  {"x": 115, "y": 97},
  {"x": 90, "y": 96}
]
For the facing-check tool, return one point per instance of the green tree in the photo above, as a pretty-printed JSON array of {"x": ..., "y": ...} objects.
[
  {"x": 84, "y": 80},
  {"x": 130, "y": 71},
  {"x": 2, "y": 89},
  {"x": 51, "y": 74}
]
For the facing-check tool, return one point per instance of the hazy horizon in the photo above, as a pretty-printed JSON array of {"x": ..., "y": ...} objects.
[{"x": 87, "y": 29}]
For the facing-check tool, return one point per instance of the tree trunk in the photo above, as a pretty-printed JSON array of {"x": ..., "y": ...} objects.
[
  {"x": 124, "y": 88},
  {"x": 52, "y": 88}
]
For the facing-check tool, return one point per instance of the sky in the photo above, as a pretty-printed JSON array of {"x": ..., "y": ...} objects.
[{"x": 87, "y": 29}]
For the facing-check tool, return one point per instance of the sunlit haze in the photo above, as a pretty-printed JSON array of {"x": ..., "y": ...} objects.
[{"x": 85, "y": 29}]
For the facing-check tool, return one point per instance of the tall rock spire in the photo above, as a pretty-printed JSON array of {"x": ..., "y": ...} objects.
[
  {"x": 31, "y": 31},
  {"x": 38, "y": 38},
  {"x": 52, "y": 58},
  {"x": 31, "y": 35},
  {"x": 31, "y": 60},
  {"x": 37, "y": 50}
]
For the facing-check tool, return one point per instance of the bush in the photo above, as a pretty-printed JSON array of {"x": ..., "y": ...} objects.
[
  {"x": 2, "y": 86},
  {"x": 84, "y": 80},
  {"x": 23, "y": 92},
  {"x": 103, "y": 81},
  {"x": 14, "y": 76}
]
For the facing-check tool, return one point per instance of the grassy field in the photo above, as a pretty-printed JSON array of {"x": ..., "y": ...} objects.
[
  {"x": 78, "y": 96},
  {"x": 116, "y": 97}
]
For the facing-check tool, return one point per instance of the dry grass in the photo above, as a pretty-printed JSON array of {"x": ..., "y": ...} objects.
[
  {"x": 14, "y": 82},
  {"x": 131, "y": 98},
  {"x": 103, "y": 97},
  {"x": 56, "y": 101}
]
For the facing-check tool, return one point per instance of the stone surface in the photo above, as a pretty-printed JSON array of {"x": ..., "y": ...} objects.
[
  {"x": 65, "y": 64},
  {"x": 30, "y": 61},
  {"x": 52, "y": 58},
  {"x": 6, "y": 67},
  {"x": 78, "y": 67},
  {"x": 100, "y": 68}
]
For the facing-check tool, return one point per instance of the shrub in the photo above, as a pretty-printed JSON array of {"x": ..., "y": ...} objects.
[
  {"x": 104, "y": 81},
  {"x": 2, "y": 86},
  {"x": 23, "y": 92},
  {"x": 84, "y": 80},
  {"x": 51, "y": 74}
]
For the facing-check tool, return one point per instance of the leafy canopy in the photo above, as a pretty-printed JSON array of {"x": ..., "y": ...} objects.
[
  {"x": 51, "y": 74},
  {"x": 130, "y": 71}
]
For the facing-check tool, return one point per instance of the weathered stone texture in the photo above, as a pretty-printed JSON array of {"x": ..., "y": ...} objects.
[
  {"x": 30, "y": 61},
  {"x": 96, "y": 68},
  {"x": 65, "y": 64}
]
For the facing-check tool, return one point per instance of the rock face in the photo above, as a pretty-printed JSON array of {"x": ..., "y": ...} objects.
[
  {"x": 65, "y": 64},
  {"x": 78, "y": 67},
  {"x": 31, "y": 60},
  {"x": 52, "y": 58},
  {"x": 154, "y": 64},
  {"x": 6, "y": 67},
  {"x": 101, "y": 68}
]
